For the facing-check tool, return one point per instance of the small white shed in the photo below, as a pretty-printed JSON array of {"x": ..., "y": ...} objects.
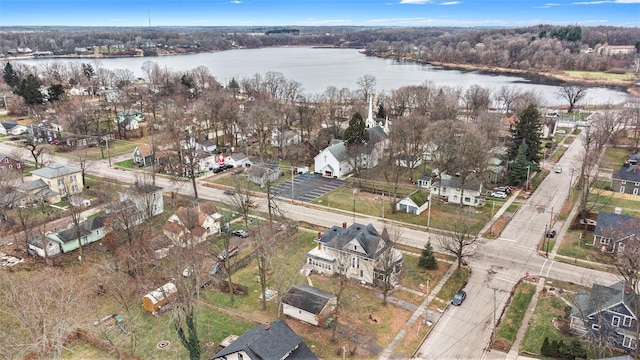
[{"x": 308, "y": 304}]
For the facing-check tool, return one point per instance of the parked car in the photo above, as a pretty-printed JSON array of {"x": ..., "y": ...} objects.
[
  {"x": 215, "y": 268},
  {"x": 458, "y": 298},
  {"x": 501, "y": 189},
  {"x": 499, "y": 194},
  {"x": 558, "y": 169},
  {"x": 551, "y": 234},
  {"x": 240, "y": 233},
  {"x": 229, "y": 192},
  {"x": 228, "y": 166},
  {"x": 217, "y": 170},
  {"x": 233, "y": 251}
]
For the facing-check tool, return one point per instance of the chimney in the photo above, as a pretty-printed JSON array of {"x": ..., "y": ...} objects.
[
  {"x": 344, "y": 224},
  {"x": 267, "y": 325},
  {"x": 627, "y": 290}
]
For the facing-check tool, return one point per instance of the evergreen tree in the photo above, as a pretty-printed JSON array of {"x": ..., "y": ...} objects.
[
  {"x": 381, "y": 114},
  {"x": 233, "y": 85},
  {"x": 544, "y": 350},
  {"x": 527, "y": 129},
  {"x": 87, "y": 70},
  {"x": 10, "y": 76},
  {"x": 356, "y": 133},
  {"x": 55, "y": 92},
  {"x": 427, "y": 259},
  {"x": 520, "y": 166},
  {"x": 29, "y": 89},
  {"x": 554, "y": 348}
]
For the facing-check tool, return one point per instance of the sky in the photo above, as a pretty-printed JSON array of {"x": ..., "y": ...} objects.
[{"x": 462, "y": 13}]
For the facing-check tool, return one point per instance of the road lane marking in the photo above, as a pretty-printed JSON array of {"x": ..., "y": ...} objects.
[
  {"x": 542, "y": 267},
  {"x": 549, "y": 269}
]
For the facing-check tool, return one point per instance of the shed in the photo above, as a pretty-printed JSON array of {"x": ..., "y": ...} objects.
[
  {"x": 307, "y": 303},
  {"x": 158, "y": 297}
]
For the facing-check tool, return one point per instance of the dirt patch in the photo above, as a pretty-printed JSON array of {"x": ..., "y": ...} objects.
[
  {"x": 501, "y": 345},
  {"x": 498, "y": 225}
]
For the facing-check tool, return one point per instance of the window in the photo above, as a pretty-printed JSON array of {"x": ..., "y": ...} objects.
[
  {"x": 361, "y": 273},
  {"x": 11, "y": 167},
  {"x": 623, "y": 182},
  {"x": 627, "y": 321},
  {"x": 621, "y": 189},
  {"x": 615, "y": 321},
  {"x": 604, "y": 240},
  {"x": 629, "y": 342},
  {"x": 637, "y": 184},
  {"x": 60, "y": 182},
  {"x": 595, "y": 327},
  {"x": 635, "y": 191}
]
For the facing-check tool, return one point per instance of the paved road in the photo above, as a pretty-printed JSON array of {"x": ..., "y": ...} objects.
[{"x": 463, "y": 332}]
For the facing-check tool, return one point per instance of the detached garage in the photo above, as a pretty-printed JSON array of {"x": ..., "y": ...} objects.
[{"x": 308, "y": 304}]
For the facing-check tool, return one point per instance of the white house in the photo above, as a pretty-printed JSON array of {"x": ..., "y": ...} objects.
[
  {"x": 415, "y": 203},
  {"x": 308, "y": 304},
  {"x": 359, "y": 249},
  {"x": 450, "y": 188},
  {"x": 333, "y": 161},
  {"x": 146, "y": 197},
  {"x": 238, "y": 160},
  {"x": 12, "y": 128}
]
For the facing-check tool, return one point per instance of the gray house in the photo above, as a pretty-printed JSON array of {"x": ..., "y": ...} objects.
[
  {"x": 614, "y": 230},
  {"x": 626, "y": 179},
  {"x": 607, "y": 312}
]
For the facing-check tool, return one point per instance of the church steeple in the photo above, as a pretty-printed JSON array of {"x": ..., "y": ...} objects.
[{"x": 370, "y": 122}]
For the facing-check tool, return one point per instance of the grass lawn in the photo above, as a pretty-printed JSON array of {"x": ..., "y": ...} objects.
[
  {"x": 572, "y": 246},
  {"x": 455, "y": 283},
  {"x": 541, "y": 326},
  {"x": 512, "y": 320},
  {"x": 442, "y": 214},
  {"x": 614, "y": 157},
  {"x": 599, "y": 75}
]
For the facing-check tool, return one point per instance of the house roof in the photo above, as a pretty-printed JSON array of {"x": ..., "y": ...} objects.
[
  {"x": 55, "y": 170},
  {"x": 471, "y": 183},
  {"x": 142, "y": 188},
  {"x": 419, "y": 197},
  {"x": 630, "y": 173},
  {"x": 610, "y": 225},
  {"x": 32, "y": 185},
  {"x": 276, "y": 342},
  {"x": 601, "y": 298},
  {"x": 338, "y": 150},
  {"x": 367, "y": 237},
  {"x": 307, "y": 298},
  {"x": 86, "y": 228},
  {"x": 8, "y": 125},
  {"x": 238, "y": 157},
  {"x": 376, "y": 134},
  {"x": 209, "y": 208}
]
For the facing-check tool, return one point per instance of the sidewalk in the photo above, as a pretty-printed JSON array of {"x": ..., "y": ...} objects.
[
  {"x": 500, "y": 211},
  {"x": 515, "y": 347},
  {"x": 388, "y": 351}
]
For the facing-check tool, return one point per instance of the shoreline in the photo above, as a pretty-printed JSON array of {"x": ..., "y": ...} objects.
[{"x": 630, "y": 85}]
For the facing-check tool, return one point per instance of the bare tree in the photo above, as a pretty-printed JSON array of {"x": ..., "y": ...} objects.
[
  {"x": 505, "y": 97},
  {"x": 367, "y": 86},
  {"x": 339, "y": 282},
  {"x": 37, "y": 151},
  {"x": 459, "y": 241},
  {"x": 389, "y": 263},
  {"x": 573, "y": 93},
  {"x": 35, "y": 322}
]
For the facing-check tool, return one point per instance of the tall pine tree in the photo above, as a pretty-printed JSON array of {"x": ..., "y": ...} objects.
[
  {"x": 427, "y": 259},
  {"x": 527, "y": 129},
  {"x": 356, "y": 134},
  {"x": 10, "y": 76},
  {"x": 520, "y": 166}
]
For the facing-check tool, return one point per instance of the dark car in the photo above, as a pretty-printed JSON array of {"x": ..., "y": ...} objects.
[
  {"x": 458, "y": 298},
  {"x": 215, "y": 268},
  {"x": 551, "y": 234},
  {"x": 228, "y": 166},
  {"x": 229, "y": 192},
  {"x": 217, "y": 170}
]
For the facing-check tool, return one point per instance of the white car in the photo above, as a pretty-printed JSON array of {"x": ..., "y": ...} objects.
[{"x": 499, "y": 194}]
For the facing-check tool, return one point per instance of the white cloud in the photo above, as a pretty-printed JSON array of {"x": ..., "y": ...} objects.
[
  {"x": 451, "y": 3},
  {"x": 546, "y": 6},
  {"x": 235, "y": 2},
  {"x": 419, "y": 2},
  {"x": 590, "y": 2},
  {"x": 115, "y": 19},
  {"x": 627, "y": 1}
]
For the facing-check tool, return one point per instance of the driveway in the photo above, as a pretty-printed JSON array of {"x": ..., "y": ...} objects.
[{"x": 306, "y": 187}]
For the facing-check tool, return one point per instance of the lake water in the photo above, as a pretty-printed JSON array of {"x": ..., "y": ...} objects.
[{"x": 316, "y": 69}]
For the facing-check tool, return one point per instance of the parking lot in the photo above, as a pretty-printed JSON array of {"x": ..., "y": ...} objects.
[{"x": 306, "y": 187}]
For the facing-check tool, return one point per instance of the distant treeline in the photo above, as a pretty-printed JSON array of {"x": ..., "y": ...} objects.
[{"x": 540, "y": 47}]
